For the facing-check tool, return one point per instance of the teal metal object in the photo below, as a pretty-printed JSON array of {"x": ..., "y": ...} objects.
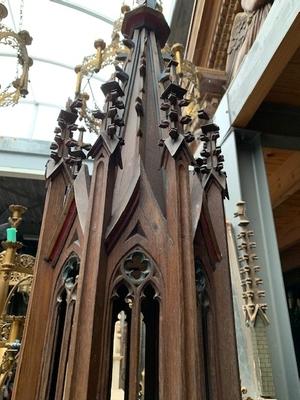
[{"x": 11, "y": 234}]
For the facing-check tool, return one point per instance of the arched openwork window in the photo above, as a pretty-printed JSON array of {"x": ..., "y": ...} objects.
[
  {"x": 135, "y": 329},
  {"x": 65, "y": 298},
  {"x": 206, "y": 333}
]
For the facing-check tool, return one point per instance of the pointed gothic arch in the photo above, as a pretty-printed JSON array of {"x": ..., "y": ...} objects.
[
  {"x": 134, "y": 180},
  {"x": 60, "y": 329},
  {"x": 206, "y": 325},
  {"x": 135, "y": 293}
]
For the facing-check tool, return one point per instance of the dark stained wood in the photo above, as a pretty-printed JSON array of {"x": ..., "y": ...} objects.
[
  {"x": 32, "y": 355},
  {"x": 146, "y": 17},
  {"x": 139, "y": 237},
  {"x": 225, "y": 333},
  {"x": 61, "y": 235},
  {"x": 91, "y": 283},
  {"x": 81, "y": 192}
]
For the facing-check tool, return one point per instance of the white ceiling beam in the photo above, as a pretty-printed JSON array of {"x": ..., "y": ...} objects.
[{"x": 85, "y": 10}]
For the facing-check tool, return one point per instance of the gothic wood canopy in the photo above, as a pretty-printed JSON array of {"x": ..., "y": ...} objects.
[{"x": 144, "y": 240}]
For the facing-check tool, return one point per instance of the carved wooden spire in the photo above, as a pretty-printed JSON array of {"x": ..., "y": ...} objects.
[
  {"x": 112, "y": 117},
  {"x": 138, "y": 246},
  {"x": 174, "y": 100},
  {"x": 66, "y": 149},
  {"x": 211, "y": 162}
]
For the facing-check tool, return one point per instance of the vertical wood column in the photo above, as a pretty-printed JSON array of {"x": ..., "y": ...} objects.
[
  {"x": 182, "y": 344},
  {"x": 225, "y": 340},
  {"x": 189, "y": 284},
  {"x": 84, "y": 356},
  {"x": 134, "y": 356},
  {"x": 27, "y": 379}
]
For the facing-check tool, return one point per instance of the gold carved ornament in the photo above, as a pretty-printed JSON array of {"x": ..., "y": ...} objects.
[
  {"x": 12, "y": 93},
  {"x": 105, "y": 55},
  {"x": 115, "y": 53},
  {"x": 16, "y": 274},
  {"x": 189, "y": 79}
]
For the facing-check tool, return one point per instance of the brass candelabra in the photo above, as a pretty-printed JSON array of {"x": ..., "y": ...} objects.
[
  {"x": 16, "y": 272},
  {"x": 19, "y": 41}
]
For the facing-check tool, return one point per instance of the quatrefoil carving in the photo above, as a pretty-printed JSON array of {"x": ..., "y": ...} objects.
[{"x": 137, "y": 267}]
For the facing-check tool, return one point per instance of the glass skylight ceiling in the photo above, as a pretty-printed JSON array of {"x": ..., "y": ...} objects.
[{"x": 63, "y": 33}]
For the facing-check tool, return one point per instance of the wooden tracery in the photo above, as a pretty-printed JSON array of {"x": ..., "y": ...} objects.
[
  {"x": 145, "y": 203},
  {"x": 60, "y": 329},
  {"x": 208, "y": 356},
  {"x": 135, "y": 292}
]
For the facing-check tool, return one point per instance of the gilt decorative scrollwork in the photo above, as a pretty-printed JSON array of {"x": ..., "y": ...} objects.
[
  {"x": 18, "y": 41},
  {"x": 8, "y": 361},
  {"x": 4, "y": 331},
  {"x": 16, "y": 279},
  {"x": 2, "y": 257},
  {"x": 106, "y": 55},
  {"x": 26, "y": 262}
]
